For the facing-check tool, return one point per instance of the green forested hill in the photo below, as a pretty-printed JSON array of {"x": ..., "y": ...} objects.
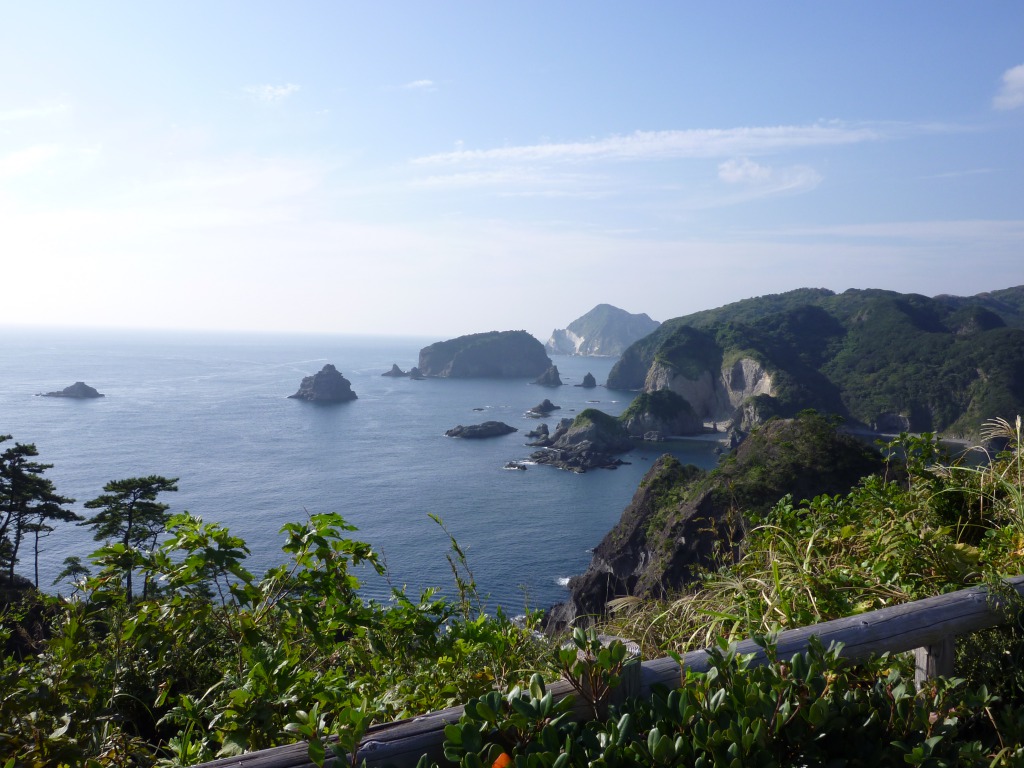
[{"x": 938, "y": 364}]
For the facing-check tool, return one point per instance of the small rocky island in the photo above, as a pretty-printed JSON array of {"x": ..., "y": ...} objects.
[
  {"x": 549, "y": 378},
  {"x": 543, "y": 408},
  {"x": 79, "y": 390},
  {"x": 589, "y": 382},
  {"x": 476, "y": 431},
  {"x": 590, "y": 441},
  {"x": 327, "y": 386},
  {"x": 496, "y": 354}
]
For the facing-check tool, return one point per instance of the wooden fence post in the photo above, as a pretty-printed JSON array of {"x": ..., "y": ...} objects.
[{"x": 935, "y": 660}]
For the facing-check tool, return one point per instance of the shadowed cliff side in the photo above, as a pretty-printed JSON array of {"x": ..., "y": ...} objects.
[{"x": 682, "y": 519}]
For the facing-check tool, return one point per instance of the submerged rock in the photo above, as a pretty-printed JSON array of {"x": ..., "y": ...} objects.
[
  {"x": 487, "y": 429},
  {"x": 79, "y": 390},
  {"x": 327, "y": 386}
]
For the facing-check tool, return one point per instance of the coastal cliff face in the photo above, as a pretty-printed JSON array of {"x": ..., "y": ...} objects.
[
  {"x": 497, "y": 354},
  {"x": 682, "y": 519},
  {"x": 879, "y": 359},
  {"x": 605, "y": 330},
  {"x": 713, "y": 395}
]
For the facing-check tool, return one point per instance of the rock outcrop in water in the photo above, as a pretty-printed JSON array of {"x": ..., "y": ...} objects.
[
  {"x": 544, "y": 408},
  {"x": 395, "y": 372},
  {"x": 589, "y": 382},
  {"x": 590, "y": 441},
  {"x": 477, "y": 431},
  {"x": 497, "y": 354},
  {"x": 79, "y": 390},
  {"x": 326, "y": 386},
  {"x": 549, "y": 378},
  {"x": 605, "y": 330}
]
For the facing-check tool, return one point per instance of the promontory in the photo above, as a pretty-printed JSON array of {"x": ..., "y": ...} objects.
[{"x": 496, "y": 354}]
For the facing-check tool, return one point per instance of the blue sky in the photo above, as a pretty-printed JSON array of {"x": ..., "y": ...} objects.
[{"x": 446, "y": 168}]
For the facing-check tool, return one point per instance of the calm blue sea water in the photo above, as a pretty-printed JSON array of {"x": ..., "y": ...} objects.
[{"x": 213, "y": 411}]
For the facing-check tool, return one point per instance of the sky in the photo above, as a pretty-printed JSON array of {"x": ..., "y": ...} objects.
[{"x": 435, "y": 169}]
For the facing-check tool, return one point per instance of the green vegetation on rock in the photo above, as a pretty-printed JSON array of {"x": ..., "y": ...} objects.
[{"x": 877, "y": 358}]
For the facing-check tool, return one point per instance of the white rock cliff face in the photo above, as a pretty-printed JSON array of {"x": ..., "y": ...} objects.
[
  {"x": 565, "y": 342},
  {"x": 714, "y": 397}
]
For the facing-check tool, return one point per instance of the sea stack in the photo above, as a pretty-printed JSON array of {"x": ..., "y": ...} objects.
[{"x": 327, "y": 386}]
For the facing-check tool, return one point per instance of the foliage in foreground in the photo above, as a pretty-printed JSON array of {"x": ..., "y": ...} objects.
[
  {"x": 810, "y": 710},
  {"x": 213, "y": 661},
  {"x": 925, "y": 527}
]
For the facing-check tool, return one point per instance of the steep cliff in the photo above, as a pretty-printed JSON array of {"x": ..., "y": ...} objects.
[
  {"x": 682, "y": 519},
  {"x": 497, "y": 354},
  {"x": 604, "y": 330}
]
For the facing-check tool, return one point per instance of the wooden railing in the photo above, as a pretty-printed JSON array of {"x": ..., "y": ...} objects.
[{"x": 926, "y": 627}]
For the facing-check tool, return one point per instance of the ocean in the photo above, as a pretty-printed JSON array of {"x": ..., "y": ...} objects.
[{"x": 213, "y": 411}]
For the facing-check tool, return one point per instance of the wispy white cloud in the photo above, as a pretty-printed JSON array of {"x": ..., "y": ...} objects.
[
  {"x": 659, "y": 145},
  {"x": 755, "y": 180},
  {"x": 32, "y": 113},
  {"x": 1011, "y": 92},
  {"x": 271, "y": 93},
  {"x": 959, "y": 174},
  {"x": 743, "y": 171},
  {"x": 420, "y": 85}
]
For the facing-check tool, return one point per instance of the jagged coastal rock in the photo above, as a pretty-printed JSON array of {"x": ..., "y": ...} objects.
[
  {"x": 549, "y": 378},
  {"x": 544, "y": 408},
  {"x": 590, "y": 441},
  {"x": 605, "y": 330},
  {"x": 660, "y": 413},
  {"x": 326, "y": 386},
  {"x": 497, "y": 354},
  {"x": 589, "y": 382},
  {"x": 79, "y": 390},
  {"x": 682, "y": 519},
  {"x": 414, "y": 373},
  {"x": 540, "y": 433},
  {"x": 395, "y": 371},
  {"x": 476, "y": 431}
]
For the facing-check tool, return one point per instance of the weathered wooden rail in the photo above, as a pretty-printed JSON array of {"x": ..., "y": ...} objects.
[{"x": 927, "y": 627}]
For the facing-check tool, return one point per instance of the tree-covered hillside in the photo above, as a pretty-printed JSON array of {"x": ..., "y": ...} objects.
[{"x": 879, "y": 358}]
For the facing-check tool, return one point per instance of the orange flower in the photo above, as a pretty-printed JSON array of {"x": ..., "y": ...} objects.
[{"x": 503, "y": 761}]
